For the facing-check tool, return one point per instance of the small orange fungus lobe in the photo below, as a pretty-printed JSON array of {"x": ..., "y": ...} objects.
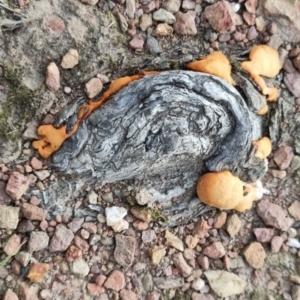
[
  {"x": 264, "y": 110},
  {"x": 215, "y": 64},
  {"x": 52, "y": 138},
  {"x": 264, "y": 61},
  {"x": 263, "y": 148},
  {"x": 225, "y": 191}
]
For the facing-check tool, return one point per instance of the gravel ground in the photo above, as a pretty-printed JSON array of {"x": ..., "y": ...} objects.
[{"x": 64, "y": 239}]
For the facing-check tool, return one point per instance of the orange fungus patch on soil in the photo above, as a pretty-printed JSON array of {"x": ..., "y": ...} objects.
[{"x": 52, "y": 138}]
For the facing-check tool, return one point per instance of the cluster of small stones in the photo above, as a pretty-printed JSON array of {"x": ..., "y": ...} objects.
[
  {"x": 220, "y": 25},
  {"x": 68, "y": 257},
  {"x": 148, "y": 22}
]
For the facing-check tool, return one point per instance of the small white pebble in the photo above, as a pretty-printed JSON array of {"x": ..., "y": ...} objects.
[
  {"x": 44, "y": 294},
  {"x": 292, "y": 242},
  {"x": 235, "y": 6},
  {"x": 67, "y": 90},
  {"x": 292, "y": 232},
  {"x": 198, "y": 284}
]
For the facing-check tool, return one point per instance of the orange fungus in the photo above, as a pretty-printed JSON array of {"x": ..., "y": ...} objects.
[{"x": 52, "y": 138}]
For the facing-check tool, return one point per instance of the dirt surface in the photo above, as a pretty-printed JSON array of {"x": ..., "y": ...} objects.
[{"x": 70, "y": 245}]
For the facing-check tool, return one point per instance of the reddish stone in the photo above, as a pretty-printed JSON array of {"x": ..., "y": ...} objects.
[
  {"x": 52, "y": 77},
  {"x": 294, "y": 52},
  {"x": 162, "y": 29},
  {"x": 263, "y": 235},
  {"x": 251, "y": 6},
  {"x": 283, "y": 157},
  {"x": 61, "y": 239},
  {"x": 81, "y": 244},
  {"x": 100, "y": 279},
  {"x": 185, "y": 23},
  {"x": 90, "y": 227},
  {"x": 16, "y": 267},
  {"x": 255, "y": 255},
  {"x": 25, "y": 226},
  {"x": 278, "y": 174},
  {"x": 38, "y": 240},
  {"x": 188, "y": 4},
  {"x": 35, "y": 201},
  {"x": 137, "y": 43},
  {"x": 73, "y": 253},
  {"x": 288, "y": 66},
  {"x": 181, "y": 264},
  {"x": 276, "y": 244},
  {"x": 44, "y": 225},
  {"x": 294, "y": 210},
  {"x": 55, "y": 23},
  {"x": 76, "y": 224},
  {"x": 296, "y": 62},
  {"x": 249, "y": 18},
  {"x": 227, "y": 262},
  {"x": 252, "y": 33},
  {"x": 153, "y": 296},
  {"x": 48, "y": 119},
  {"x": 203, "y": 262},
  {"x": 273, "y": 215},
  {"x": 94, "y": 289},
  {"x": 127, "y": 295},
  {"x": 17, "y": 185},
  {"x": 220, "y": 16},
  {"x": 214, "y": 250},
  {"x": 28, "y": 169},
  {"x": 148, "y": 236},
  {"x": 291, "y": 80},
  {"x": 12, "y": 245},
  {"x": 149, "y": 7},
  {"x": 201, "y": 229},
  {"x": 93, "y": 87},
  {"x": 272, "y": 28},
  {"x": 197, "y": 296},
  {"x": 10, "y": 295},
  {"x": 115, "y": 281},
  {"x": 32, "y": 212},
  {"x": 23, "y": 258},
  {"x": 36, "y": 163},
  {"x": 37, "y": 271},
  {"x": 28, "y": 292},
  {"x": 140, "y": 225},
  {"x": 220, "y": 220},
  {"x": 125, "y": 249}
]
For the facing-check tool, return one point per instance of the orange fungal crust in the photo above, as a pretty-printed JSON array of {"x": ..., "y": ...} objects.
[
  {"x": 215, "y": 64},
  {"x": 264, "y": 110},
  {"x": 52, "y": 138},
  {"x": 263, "y": 148},
  {"x": 264, "y": 61}
]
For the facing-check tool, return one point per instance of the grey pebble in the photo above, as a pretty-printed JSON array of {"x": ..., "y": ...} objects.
[{"x": 153, "y": 45}]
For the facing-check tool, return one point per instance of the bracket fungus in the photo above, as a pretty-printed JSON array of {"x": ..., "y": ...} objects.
[
  {"x": 264, "y": 61},
  {"x": 226, "y": 191}
]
